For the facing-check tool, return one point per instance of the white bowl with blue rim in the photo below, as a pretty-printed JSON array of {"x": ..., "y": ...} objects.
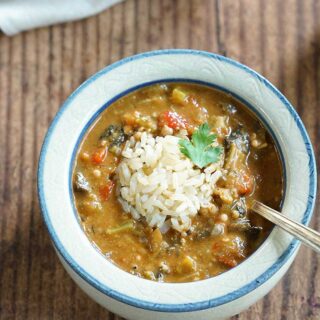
[{"x": 135, "y": 298}]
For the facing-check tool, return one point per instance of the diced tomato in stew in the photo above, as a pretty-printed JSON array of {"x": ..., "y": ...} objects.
[
  {"x": 245, "y": 183},
  {"x": 172, "y": 120},
  {"x": 228, "y": 253},
  {"x": 106, "y": 190},
  {"x": 99, "y": 155}
]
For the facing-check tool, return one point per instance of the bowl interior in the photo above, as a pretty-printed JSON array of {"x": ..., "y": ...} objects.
[{"x": 250, "y": 108}]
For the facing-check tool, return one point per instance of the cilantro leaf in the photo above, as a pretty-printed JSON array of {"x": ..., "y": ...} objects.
[{"x": 200, "y": 149}]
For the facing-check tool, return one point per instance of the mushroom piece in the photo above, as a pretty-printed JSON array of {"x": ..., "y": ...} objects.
[{"x": 80, "y": 183}]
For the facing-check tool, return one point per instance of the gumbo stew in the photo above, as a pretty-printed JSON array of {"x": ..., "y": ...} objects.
[{"x": 164, "y": 179}]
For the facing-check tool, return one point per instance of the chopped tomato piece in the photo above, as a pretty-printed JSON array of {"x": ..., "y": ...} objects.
[
  {"x": 217, "y": 246},
  {"x": 244, "y": 184},
  {"x": 229, "y": 253},
  {"x": 228, "y": 261},
  {"x": 99, "y": 155},
  {"x": 172, "y": 120},
  {"x": 105, "y": 191}
]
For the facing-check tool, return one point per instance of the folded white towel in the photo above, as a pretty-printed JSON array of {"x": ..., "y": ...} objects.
[{"x": 20, "y": 15}]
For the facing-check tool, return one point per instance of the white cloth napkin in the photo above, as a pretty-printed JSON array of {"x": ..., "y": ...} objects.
[{"x": 20, "y": 15}]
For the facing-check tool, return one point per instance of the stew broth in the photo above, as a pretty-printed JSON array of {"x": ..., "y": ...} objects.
[{"x": 218, "y": 239}]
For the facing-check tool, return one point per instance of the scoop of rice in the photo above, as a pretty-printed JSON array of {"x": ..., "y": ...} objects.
[{"x": 156, "y": 181}]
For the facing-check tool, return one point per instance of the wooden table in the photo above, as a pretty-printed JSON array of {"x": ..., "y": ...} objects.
[{"x": 40, "y": 68}]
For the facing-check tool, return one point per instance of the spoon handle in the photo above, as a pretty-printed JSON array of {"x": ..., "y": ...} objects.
[{"x": 306, "y": 235}]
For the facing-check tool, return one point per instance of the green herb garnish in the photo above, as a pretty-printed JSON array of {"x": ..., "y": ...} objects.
[{"x": 200, "y": 149}]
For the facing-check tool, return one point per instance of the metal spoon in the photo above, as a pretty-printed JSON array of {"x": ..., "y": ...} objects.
[{"x": 306, "y": 235}]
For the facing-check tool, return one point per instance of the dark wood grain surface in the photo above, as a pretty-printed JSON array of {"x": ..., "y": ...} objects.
[{"x": 40, "y": 68}]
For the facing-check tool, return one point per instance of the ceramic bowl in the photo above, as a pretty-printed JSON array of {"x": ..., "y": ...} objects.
[{"x": 135, "y": 298}]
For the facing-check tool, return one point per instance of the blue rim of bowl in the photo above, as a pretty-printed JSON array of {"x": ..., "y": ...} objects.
[{"x": 195, "y": 306}]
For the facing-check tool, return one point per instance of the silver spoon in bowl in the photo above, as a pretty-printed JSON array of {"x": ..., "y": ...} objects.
[{"x": 306, "y": 235}]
